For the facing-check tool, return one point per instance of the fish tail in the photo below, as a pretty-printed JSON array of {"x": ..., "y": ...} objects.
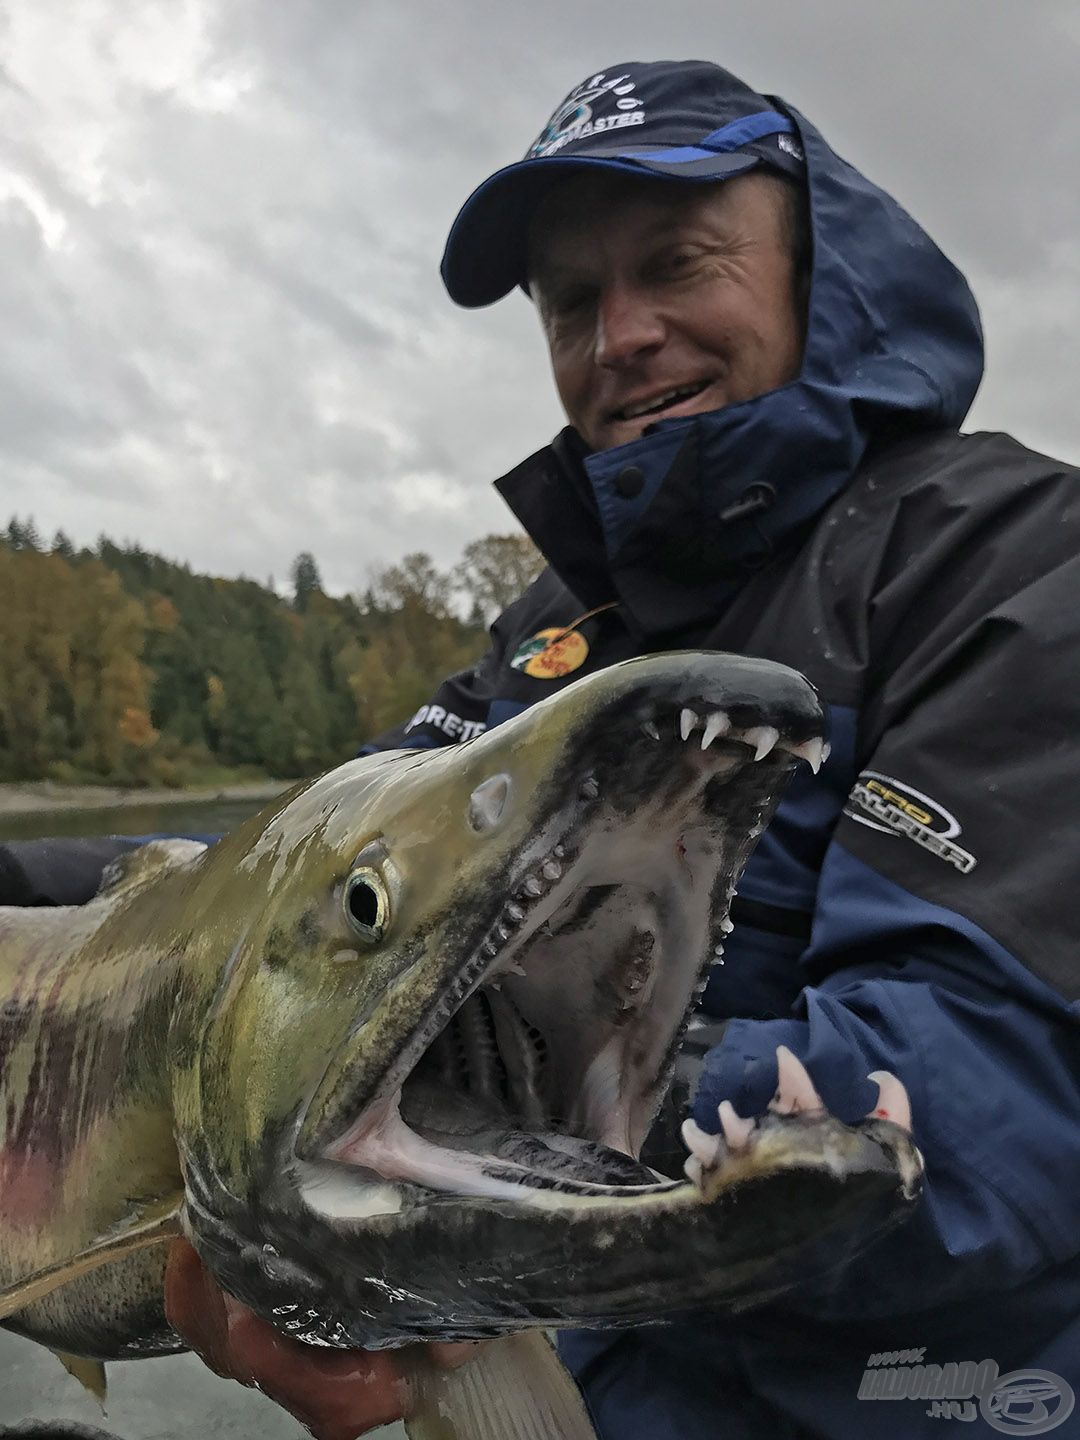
[{"x": 512, "y": 1389}]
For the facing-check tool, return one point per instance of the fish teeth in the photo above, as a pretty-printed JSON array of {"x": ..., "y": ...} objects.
[
  {"x": 533, "y": 887},
  {"x": 815, "y": 752},
  {"x": 651, "y": 730},
  {"x": 726, "y": 926},
  {"x": 688, "y": 720},
  {"x": 515, "y": 912},
  {"x": 737, "y": 1130},
  {"x": 795, "y": 1093},
  {"x": 892, "y": 1103},
  {"x": 762, "y": 738},
  {"x": 551, "y": 870},
  {"x": 718, "y": 723},
  {"x": 705, "y": 1147},
  {"x": 589, "y": 788}
]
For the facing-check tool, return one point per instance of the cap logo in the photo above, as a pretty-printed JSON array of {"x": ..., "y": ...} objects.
[{"x": 597, "y": 105}]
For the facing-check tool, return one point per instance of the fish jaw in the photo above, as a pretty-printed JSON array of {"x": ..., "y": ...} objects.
[
  {"x": 556, "y": 891},
  {"x": 623, "y": 825},
  {"x": 801, "y": 1196}
]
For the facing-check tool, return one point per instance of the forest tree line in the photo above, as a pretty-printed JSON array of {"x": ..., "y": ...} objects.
[{"x": 120, "y": 666}]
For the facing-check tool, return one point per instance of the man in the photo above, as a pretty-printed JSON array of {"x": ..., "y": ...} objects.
[{"x": 765, "y": 363}]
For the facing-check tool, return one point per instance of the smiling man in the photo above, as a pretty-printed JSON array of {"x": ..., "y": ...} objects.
[
  {"x": 660, "y": 305},
  {"x": 765, "y": 363}
]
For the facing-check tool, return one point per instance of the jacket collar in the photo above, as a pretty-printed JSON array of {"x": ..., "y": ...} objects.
[{"x": 671, "y": 525}]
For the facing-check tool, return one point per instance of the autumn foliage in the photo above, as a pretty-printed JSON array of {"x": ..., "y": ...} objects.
[{"x": 119, "y": 665}]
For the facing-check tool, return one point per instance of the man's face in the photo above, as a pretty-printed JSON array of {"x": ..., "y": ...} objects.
[{"x": 660, "y": 299}]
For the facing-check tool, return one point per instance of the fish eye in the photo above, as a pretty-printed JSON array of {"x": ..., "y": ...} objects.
[{"x": 367, "y": 905}]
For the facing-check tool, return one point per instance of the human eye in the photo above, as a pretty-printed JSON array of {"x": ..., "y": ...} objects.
[
  {"x": 567, "y": 305},
  {"x": 570, "y": 300},
  {"x": 675, "y": 261}
]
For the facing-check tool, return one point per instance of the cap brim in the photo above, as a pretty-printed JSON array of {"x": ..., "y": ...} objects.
[{"x": 486, "y": 253}]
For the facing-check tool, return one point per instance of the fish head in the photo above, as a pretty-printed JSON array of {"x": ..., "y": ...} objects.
[{"x": 428, "y": 1068}]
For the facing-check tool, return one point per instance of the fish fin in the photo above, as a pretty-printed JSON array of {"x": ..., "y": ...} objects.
[
  {"x": 151, "y": 1224},
  {"x": 514, "y": 1388},
  {"x": 139, "y": 864},
  {"x": 89, "y": 1373}
]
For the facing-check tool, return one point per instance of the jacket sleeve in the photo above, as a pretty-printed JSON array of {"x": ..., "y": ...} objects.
[
  {"x": 56, "y": 872},
  {"x": 457, "y": 710},
  {"x": 990, "y": 1062},
  {"x": 945, "y": 949}
]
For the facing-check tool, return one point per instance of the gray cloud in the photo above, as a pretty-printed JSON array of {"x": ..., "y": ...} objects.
[{"x": 220, "y": 226}]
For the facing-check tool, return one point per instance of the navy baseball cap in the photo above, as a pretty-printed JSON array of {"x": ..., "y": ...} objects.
[{"x": 670, "y": 119}]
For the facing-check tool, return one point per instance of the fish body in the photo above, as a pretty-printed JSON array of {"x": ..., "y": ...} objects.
[{"x": 389, "y": 1051}]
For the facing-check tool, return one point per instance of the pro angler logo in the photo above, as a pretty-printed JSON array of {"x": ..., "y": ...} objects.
[
  {"x": 889, "y": 805},
  {"x": 597, "y": 105}
]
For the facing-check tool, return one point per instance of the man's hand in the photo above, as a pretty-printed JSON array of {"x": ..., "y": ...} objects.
[{"x": 337, "y": 1394}]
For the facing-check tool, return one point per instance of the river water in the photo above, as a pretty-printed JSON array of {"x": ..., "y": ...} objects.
[{"x": 200, "y": 818}]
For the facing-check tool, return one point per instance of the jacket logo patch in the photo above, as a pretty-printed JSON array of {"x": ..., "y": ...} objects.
[
  {"x": 445, "y": 720},
  {"x": 894, "y": 808},
  {"x": 551, "y": 653}
]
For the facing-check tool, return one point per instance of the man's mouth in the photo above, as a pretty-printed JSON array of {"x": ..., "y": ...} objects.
[{"x": 655, "y": 404}]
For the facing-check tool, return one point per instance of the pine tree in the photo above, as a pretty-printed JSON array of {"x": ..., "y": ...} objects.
[{"x": 306, "y": 580}]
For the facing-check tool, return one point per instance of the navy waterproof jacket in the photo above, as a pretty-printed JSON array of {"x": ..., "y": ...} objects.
[{"x": 913, "y": 909}]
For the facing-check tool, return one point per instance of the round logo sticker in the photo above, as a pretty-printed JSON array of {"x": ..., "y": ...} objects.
[{"x": 550, "y": 654}]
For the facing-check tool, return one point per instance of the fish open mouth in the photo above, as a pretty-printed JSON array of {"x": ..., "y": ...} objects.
[
  {"x": 541, "y": 906},
  {"x": 536, "y": 1077}
]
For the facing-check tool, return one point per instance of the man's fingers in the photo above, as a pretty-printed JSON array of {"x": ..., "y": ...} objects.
[
  {"x": 337, "y": 1394},
  {"x": 195, "y": 1308}
]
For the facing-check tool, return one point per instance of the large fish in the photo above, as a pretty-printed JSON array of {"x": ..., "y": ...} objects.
[{"x": 388, "y": 1052}]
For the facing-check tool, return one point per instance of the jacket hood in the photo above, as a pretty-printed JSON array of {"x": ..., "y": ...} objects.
[{"x": 893, "y": 344}]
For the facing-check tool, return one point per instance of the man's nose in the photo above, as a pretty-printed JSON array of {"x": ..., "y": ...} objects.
[{"x": 628, "y": 325}]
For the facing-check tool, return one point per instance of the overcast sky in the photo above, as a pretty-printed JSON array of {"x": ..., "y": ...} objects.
[{"x": 222, "y": 331}]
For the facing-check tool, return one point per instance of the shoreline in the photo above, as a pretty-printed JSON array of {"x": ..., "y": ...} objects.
[{"x": 37, "y": 797}]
